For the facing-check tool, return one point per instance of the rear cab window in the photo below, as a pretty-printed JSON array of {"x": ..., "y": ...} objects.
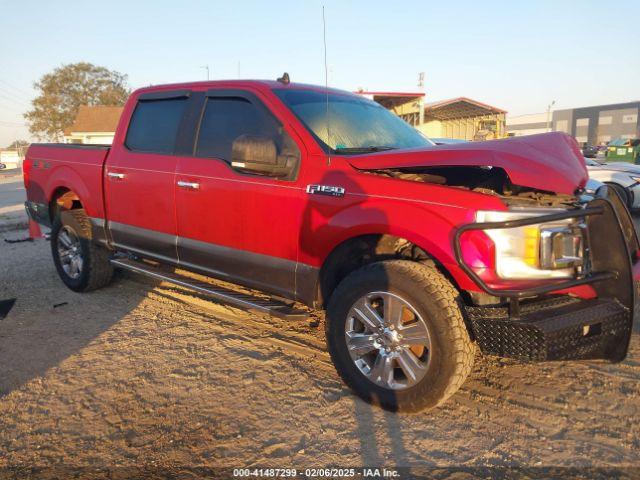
[{"x": 155, "y": 122}]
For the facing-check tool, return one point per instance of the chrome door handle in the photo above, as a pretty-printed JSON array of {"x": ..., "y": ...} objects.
[
  {"x": 115, "y": 175},
  {"x": 189, "y": 185}
]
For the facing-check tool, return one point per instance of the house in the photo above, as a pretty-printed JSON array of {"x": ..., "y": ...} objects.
[{"x": 93, "y": 124}]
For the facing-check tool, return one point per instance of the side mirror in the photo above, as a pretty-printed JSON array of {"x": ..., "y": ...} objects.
[{"x": 258, "y": 154}]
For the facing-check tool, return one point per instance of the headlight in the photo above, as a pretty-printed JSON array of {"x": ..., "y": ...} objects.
[
  {"x": 549, "y": 250},
  {"x": 635, "y": 179}
]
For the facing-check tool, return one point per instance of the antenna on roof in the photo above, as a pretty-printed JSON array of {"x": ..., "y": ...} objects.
[
  {"x": 284, "y": 79},
  {"x": 206, "y": 67},
  {"x": 326, "y": 76}
]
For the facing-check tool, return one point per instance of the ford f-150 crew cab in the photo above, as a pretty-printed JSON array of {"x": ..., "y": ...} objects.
[{"x": 419, "y": 253}]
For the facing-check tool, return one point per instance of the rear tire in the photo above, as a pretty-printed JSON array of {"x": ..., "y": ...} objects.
[
  {"x": 444, "y": 358},
  {"x": 81, "y": 264}
]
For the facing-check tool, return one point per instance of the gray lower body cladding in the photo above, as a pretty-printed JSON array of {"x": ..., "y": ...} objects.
[
  {"x": 277, "y": 276},
  {"x": 274, "y": 275}
]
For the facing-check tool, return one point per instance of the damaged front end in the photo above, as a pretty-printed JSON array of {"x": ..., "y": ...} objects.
[
  {"x": 543, "y": 246},
  {"x": 530, "y": 259},
  {"x": 538, "y": 323},
  {"x": 481, "y": 179}
]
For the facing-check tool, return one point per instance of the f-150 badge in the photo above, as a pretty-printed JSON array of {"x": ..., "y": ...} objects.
[{"x": 329, "y": 190}]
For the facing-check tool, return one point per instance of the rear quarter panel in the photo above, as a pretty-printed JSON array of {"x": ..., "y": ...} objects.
[{"x": 79, "y": 169}]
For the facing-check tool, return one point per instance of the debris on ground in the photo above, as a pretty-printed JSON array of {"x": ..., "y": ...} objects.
[
  {"x": 18, "y": 240},
  {"x": 6, "y": 306}
]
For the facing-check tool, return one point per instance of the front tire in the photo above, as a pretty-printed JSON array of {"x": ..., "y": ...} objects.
[
  {"x": 81, "y": 264},
  {"x": 397, "y": 337},
  {"x": 625, "y": 195}
]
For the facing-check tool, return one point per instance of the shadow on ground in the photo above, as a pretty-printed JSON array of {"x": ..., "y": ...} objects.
[
  {"x": 144, "y": 375},
  {"x": 48, "y": 322}
]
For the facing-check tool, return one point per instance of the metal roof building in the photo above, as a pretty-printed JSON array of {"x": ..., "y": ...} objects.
[{"x": 462, "y": 118}]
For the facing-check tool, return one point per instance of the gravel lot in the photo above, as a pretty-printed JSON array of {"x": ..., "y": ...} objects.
[
  {"x": 152, "y": 376},
  {"x": 12, "y": 196}
]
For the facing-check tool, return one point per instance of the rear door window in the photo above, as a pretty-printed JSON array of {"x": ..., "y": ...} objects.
[{"x": 154, "y": 125}]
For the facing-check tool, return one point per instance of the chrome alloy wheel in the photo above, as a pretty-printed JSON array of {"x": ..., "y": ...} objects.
[
  {"x": 388, "y": 340},
  {"x": 70, "y": 252}
]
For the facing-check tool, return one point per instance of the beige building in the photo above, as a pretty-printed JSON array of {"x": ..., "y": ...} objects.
[
  {"x": 463, "y": 118},
  {"x": 93, "y": 124},
  {"x": 460, "y": 118},
  {"x": 529, "y": 124}
]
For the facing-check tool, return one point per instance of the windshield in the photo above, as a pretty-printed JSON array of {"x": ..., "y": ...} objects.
[{"x": 355, "y": 124}]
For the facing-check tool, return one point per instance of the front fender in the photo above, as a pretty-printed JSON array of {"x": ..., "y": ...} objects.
[{"x": 428, "y": 225}]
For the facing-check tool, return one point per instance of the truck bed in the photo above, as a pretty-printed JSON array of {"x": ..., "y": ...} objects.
[{"x": 52, "y": 167}]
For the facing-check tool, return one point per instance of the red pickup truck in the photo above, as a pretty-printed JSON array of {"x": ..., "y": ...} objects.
[{"x": 419, "y": 253}]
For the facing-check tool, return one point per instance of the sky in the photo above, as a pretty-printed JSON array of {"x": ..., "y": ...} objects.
[{"x": 516, "y": 55}]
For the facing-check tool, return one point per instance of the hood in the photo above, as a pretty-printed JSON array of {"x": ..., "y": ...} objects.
[{"x": 549, "y": 161}]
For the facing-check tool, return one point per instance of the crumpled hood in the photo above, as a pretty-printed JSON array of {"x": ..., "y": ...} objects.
[{"x": 547, "y": 161}]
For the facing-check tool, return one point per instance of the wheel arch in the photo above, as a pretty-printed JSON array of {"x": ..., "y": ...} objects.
[
  {"x": 360, "y": 250},
  {"x": 64, "y": 185},
  {"x": 63, "y": 198}
]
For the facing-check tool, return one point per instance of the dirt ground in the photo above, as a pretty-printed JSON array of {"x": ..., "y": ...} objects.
[{"x": 143, "y": 374}]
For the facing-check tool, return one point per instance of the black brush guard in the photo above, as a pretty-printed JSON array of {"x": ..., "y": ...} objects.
[{"x": 537, "y": 325}]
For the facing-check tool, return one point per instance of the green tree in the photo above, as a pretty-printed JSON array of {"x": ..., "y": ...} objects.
[
  {"x": 63, "y": 90},
  {"x": 18, "y": 144}
]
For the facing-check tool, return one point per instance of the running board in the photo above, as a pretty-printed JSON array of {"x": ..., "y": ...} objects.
[{"x": 219, "y": 294}]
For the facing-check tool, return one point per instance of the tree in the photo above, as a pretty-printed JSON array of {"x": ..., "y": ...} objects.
[
  {"x": 16, "y": 144},
  {"x": 63, "y": 90}
]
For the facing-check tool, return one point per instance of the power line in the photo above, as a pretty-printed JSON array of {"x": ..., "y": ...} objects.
[
  {"x": 12, "y": 108},
  {"x": 13, "y": 124},
  {"x": 12, "y": 99},
  {"x": 17, "y": 89}
]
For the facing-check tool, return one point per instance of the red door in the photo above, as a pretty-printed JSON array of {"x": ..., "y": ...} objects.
[
  {"x": 232, "y": 224},
  {"x": 140, "y": 178}
]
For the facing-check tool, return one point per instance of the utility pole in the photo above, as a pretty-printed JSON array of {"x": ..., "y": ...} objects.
[
  {"x": 549, "y": 115},
  {"x": 206, "y": 67},
  {"x": 421, "y": 101}
]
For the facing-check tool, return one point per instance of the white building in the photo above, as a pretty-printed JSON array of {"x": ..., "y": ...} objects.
[
  {"x": 529, "y": 124},
  {"x": 93, "y": 124},
  {"x": 11, "y": 158}
]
